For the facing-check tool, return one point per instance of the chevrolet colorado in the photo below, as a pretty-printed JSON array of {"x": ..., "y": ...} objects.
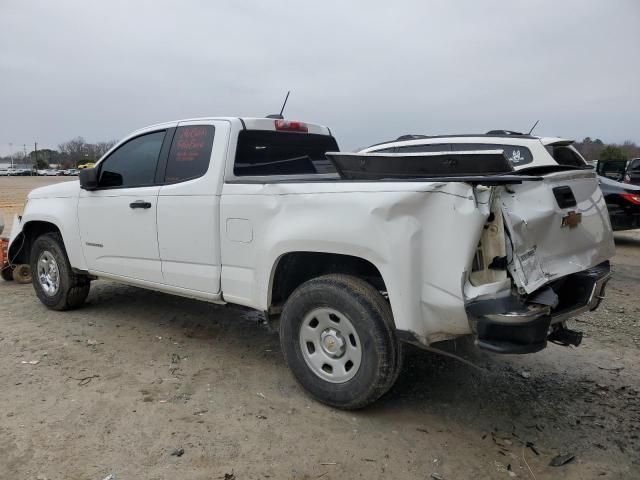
[{"x": 418, "y": 240}]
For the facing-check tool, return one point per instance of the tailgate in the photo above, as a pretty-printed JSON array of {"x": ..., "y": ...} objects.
[{"x": 556, "y": 227}]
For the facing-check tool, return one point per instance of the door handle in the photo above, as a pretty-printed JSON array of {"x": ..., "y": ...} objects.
[{"x": 140, "y": 204}]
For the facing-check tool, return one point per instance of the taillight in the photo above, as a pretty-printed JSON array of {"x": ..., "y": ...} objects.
[
  {"x": 287, "y": 126},
  {"x": 631, "y": 197}
]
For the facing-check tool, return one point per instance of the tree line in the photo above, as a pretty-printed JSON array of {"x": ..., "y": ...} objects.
[
  {"x": 69, "y": 154},
  {"x": 598, "y": 150},
  {"x": 77, "y": 151}
]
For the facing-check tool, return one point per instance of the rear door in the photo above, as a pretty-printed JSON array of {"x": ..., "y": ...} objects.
[{"x": 189, "y": 206}]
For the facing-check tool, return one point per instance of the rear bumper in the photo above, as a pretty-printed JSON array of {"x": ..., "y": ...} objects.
[{"x": 514, "y": 325}]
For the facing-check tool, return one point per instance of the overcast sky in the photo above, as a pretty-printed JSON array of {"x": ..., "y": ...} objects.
[{"x": 369, "y": 70}]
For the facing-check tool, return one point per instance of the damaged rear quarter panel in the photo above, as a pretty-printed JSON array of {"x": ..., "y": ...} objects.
[{"x": 421, "y": 237}]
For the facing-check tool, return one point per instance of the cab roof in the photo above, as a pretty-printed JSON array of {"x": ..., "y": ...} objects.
[{"x": 253, "y": 123}]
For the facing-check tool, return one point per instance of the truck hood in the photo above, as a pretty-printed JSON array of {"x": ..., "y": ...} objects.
[{"x": 58, "y": 190}]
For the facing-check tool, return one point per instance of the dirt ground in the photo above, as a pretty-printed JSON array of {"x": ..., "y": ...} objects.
[{"x": 119, "y": 385}]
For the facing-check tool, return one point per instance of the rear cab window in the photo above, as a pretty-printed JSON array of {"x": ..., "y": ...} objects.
[{"x": 266, "y": 152}]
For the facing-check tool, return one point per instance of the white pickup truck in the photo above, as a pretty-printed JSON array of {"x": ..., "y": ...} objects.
[{"x": 419, "y": 240}]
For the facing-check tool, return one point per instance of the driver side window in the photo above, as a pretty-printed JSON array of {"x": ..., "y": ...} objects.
[{"x": 132, "y": 164}]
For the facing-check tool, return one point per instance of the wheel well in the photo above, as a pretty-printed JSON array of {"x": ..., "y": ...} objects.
[
  {"x": 21, "y": 247},
  {"x": 295, "y": 268}
]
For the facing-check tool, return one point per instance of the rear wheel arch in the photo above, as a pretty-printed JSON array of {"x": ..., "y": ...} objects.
[{"x": 292, "y": 269}]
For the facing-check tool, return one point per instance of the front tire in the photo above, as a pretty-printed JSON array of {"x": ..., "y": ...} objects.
[
  {"x": 337, "y": 336},
  {"x": 53, "y": 279}
]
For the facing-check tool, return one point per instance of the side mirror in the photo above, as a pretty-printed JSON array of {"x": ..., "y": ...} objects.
[{"x": 88, "y": 179}]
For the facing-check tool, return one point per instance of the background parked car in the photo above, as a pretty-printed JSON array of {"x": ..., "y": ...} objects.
[
  {"x": 19, "y": 172},
  {"x": 623, "y": 203},
  {"x": 627, "y": 171},
  {"x": 623, "y": 199}
]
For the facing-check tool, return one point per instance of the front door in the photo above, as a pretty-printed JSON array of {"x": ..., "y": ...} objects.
[{"x": 118, "y": 220}]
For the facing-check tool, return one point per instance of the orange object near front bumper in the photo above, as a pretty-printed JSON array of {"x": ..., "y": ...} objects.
[{"x": 4, "y": 257}]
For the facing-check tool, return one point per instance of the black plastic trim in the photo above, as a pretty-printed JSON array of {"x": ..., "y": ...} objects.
[
  {"x": 163, "y": 158},
  {"x": 564, "y": 196},
  {"x": 380, "y": 166},
  {"x": 516, "y": 338}
]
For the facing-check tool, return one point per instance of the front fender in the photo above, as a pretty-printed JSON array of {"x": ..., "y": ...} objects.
[{"x": 58, "y": 212}]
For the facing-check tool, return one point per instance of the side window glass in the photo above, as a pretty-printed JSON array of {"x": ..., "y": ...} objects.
[
  {"x": 565, "y": 156},
  {"x": 190, "y": 153},
  {"x": 385, "y": 150},
  {"x": 516, "y": 154},
  {"x": 132, "y": 164},
  {"x": 438, "y": 147}
]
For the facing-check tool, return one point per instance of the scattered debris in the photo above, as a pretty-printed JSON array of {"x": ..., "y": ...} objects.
[
  {"x": 30, "y": 362},
  {"x": 367, "y": 459},
  {"x": 260, "y": 394},
  {"x": 527, "y": 464},
  {"x": 261, "y": 417},
  {"x": 111, "y": 476},
  {"x": 328, "y": 463},
  {"x": 178, "y": 452},
  {"x": 525, "y": 374},
  {"x": 84, "y": 380},
  {"x": 229, "y": 476},
  {"x": 561, "y": 460},
  {"x": 91, "y": 342},
  {"x": 532, "y": 447},
  {"x": 615, "y": 368},
  {"x": 423, "y": 430},
  {"x": 437, "y": 476}
]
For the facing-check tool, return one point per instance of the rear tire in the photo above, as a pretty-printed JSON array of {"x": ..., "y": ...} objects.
[
  {"x": 55, "y": 283},
  {"x": 338, "y": 339}
]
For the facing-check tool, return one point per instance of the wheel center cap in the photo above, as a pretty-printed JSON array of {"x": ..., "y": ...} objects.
[{"x": 332, "y": 343}]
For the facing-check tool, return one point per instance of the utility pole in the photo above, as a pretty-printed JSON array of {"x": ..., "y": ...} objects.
[
  {"x": 35, "y": 149},
  {"x": 11, "y": 154}
]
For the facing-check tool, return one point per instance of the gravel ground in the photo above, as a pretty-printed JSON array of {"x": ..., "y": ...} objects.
[{"x": 134, "y": 376}]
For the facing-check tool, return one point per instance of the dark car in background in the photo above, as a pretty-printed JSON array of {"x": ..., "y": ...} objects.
[
  {"x": 626, "y": 171},
  {"x": 623, "y": 199},
  {"x": 623, "y": 203}
]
